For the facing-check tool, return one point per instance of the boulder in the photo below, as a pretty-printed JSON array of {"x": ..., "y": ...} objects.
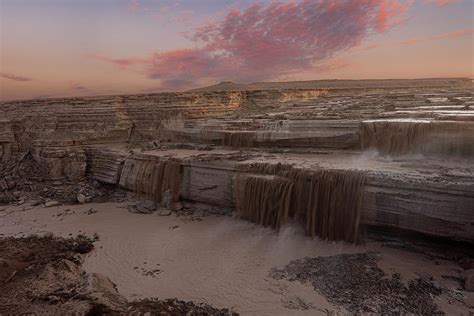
[
  {"x": 3, "y": 185},
  {"x": 144, "y": 207},
  {"x": 81, "y": 198},
  {"x": 149, "y": 205},
  {"x": 468, "y": 277},
  {"x": 163, "y": 212},
  {"x": 51, "y": 203}
]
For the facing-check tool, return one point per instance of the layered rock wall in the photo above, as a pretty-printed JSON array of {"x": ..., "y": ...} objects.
[
  {"x": 329, "y": 203},
  {"x": 374, "y": 128}
]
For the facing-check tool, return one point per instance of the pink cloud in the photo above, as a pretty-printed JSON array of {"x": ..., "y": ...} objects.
[
  {"x": 264, "y": 42},
  {"x": 443, "y": 3},
  {"x": 134, "y": 5},
  {"x": 453, "y": 34},
  {"x": 418, "y": 40},
  {"x": 391, "y": 13},
  {"x": 14, "y": 77}
]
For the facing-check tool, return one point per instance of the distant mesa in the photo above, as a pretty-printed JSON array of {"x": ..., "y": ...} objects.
[
  {"x": 222, "y": 86},
  {"x": 337, "y": 84}
]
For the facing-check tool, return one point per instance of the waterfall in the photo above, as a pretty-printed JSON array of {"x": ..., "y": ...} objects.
[
  {"x": 327, "y": 202},
  {"x": 394, "y": 137},
  {"x": 154, "y": 177},
  {"x": 264, "y": 200},
  {"x": 238, "y": 139}
]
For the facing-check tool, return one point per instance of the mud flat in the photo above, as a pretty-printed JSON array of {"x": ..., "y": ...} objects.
[
  {"x": 43, "y": 275},
  {"x": 206, "y": 192},
  {"x": 228, "y": 263}
]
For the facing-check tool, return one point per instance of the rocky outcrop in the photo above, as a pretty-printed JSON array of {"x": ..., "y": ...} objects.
[
  {"x": 430, "y": 204},
  {"x": 63, "y": 163},
  {"x": 105, "y": 164},
  {"x": 44, "y": 276},
  {"x": 332, "y": 203},
  {"x": 268, "y": 134},
  {"x": 381, "y": 153},
  {"x": 7, "y": 138}
]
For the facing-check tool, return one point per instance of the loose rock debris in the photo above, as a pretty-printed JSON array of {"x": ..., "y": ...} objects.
[
  {"x": 357, "y": 283},
  {"x": 43, "y": 276},
  {"x": 25, "y": 178},
  {"x": 175, "y": 307}
]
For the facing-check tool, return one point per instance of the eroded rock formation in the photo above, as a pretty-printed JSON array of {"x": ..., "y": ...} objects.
[{"x": 333, "y": 155}]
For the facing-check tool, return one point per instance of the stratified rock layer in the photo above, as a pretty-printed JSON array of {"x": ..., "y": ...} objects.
[{"x": 332, "y": 155}]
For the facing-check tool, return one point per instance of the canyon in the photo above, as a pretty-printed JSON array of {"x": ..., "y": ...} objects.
[
  {"x": 410, "y": 142},
  {"x": 339, "y": 159}
]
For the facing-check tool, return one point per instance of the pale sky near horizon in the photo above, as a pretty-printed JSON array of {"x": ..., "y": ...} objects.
[{"x": 55, "y": 48}]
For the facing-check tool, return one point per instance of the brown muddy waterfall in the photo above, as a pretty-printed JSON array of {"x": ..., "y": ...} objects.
[
  {"x": 327, "y": 202},
  {"x": 394, "y": 137},
  {"x": 264, "y": 200},
  {"x": 408, "y": 136},
  {"x": 238, "y": 139},
  {"x": 154, "y": 177}
]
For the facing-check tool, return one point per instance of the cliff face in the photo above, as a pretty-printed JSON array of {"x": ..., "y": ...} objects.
[{"x": 385, "y": 153}]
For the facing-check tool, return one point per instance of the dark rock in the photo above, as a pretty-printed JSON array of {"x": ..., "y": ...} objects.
[
  {"x": 51, "y": 203},
  {"x": 145, "y": 207},
  {"x": 149, "y": 205},
  {"x": 3, "y": 185},
  {"x": 81, "y": 198},
  {"x": 35, "y": 203},
  {"x": 468, "y": 277},
  {"x": 163, "y": 212},
  {"x": 467, "y": 263},
  {"x": 357, "y": 283}
]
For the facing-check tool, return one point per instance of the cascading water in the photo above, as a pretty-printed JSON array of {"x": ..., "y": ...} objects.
[
  {"x": 266, "y": 168},
  {"x": 264, "y": 200},
  {"x": 154, "y": 177},
  {"x": 407, "y": 136},
  {"x": 238, "y": 139},
  {"x": 394, "y": 137},
  {"x": 327, "y": 202}
]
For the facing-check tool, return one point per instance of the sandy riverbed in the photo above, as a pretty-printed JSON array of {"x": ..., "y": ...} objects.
[{"x": 218, "y": 260}]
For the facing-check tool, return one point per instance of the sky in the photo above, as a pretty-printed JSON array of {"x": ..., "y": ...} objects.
[{"x": 52, "y": 48}]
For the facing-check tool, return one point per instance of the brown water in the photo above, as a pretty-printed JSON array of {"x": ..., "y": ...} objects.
[
  {"x": 326, "y": 202},
  {"x": 218, "y": 260}
]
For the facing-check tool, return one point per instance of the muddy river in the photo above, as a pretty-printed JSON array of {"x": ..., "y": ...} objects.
[{"x": 214, "y": 259}]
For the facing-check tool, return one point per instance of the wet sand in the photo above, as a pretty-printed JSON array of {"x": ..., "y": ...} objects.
[{"x": 213, "y": 259}]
